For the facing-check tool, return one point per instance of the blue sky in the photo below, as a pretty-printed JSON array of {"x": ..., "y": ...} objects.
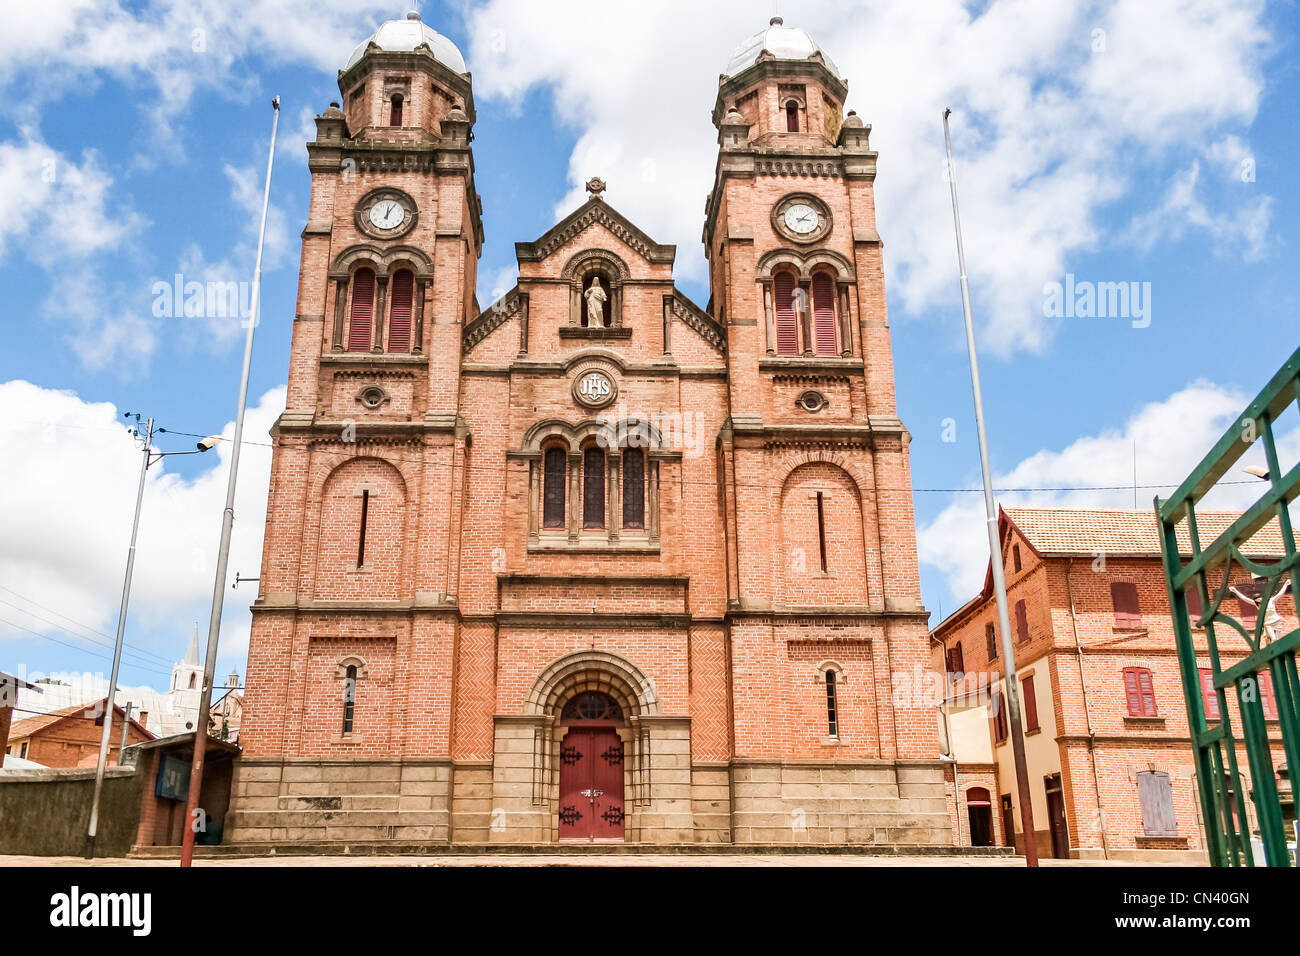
[{"x": 1149, "y": 143}]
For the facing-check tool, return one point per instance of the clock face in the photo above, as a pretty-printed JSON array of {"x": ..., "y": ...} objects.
[
  {"x": 387, "y": 214},
  {"x": 801, "y": 218}
]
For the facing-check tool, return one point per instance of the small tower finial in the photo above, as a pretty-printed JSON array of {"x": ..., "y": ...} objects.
[
  {"x": 413, "y": 15},
  {"x": 775, "y": 22},
  {"x": 595, "y": 186}
]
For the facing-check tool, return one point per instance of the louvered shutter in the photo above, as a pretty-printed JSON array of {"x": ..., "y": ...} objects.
[
  {"x": 363, "y": 311},
  {"x": 1157, "y": 799},
  {"x": 823, "y": 295},
  {"x": 1124, "y": 601},
  {"x": 399, "y": 320},
  {"x": 787, "y": 329},
  {"x": 1266, "y": 695},
  {"x": 1208, "y": 694},
  {"x": 1022, "y": 622},
  {"x": 1148, "y": 694},
  {"x": 553, "y": 489},
  {"x": 991, "y": 640},
  {"x": 593, "y": 488},
  {"x": 633, "y": 488},
  {"x": 1132, "y": 691},
  {"x": 1031, "y": 703}
]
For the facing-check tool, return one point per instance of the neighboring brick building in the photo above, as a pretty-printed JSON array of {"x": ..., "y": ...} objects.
[
  {"x": 594, "y": 562},
  {"x": 1103, "y": 702},
  {"x": 70, "y": 736}
]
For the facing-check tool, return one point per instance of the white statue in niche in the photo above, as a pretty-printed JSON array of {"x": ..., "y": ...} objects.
[{"x": 596, "y": 297}]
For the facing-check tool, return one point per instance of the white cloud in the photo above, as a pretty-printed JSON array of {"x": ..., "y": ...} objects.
[
  {"x": 56, "y": 207},
  {"x": 1047, "y": 132},
  {"x": 1183, "y": 209},
  {"x": 1171, "y": 436},
  {"x": 67, "y": 515}
]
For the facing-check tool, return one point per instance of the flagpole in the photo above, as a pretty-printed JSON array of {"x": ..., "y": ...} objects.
[
  {"x": 995, "y": 548},
  {"x": 227, "y": 522}
]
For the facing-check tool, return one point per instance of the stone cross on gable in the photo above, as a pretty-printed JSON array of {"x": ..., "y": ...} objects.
[{"x": 595, "y": 186}]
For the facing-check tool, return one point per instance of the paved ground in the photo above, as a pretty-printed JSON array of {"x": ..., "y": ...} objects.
[{"x": 549, "y": 859}]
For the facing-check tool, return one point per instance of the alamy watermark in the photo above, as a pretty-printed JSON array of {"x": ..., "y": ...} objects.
[{"x": 1084, "y": 299}]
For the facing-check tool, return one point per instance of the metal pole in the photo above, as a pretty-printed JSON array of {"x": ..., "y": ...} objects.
[
  {"x": 995, "y": 549},
  {"x": 126, "y": 723},
  {"x": 117, "y": 649},
  {"x": 227, "y": 521}
]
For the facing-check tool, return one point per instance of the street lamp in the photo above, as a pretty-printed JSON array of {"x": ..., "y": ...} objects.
[{"x": 151, "y": 457}]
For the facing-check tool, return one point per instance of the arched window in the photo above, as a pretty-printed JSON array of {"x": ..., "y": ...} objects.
[
  {"x": 399, "y": 314},
  {"x": 555, "y": 468},
  {"x": 832, "y": 705},
  {"x": 787, "y": 328},
  {"x": 792, "y": 116},
  {"x": 363, "y": 310},
  {"x": 395, "y": 114},
  {"x": 823, "y": 296},
  {"x": 349, "y": 697},
  {"x": 593, "y": 487},
  {"x": 633, "y": 488},
  {"x": 193, "y": 681}
]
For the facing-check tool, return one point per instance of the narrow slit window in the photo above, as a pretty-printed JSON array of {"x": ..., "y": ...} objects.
[
  {"x": 395, "y": 114},
  {"x": 832, "y": 707},
  {"x": 361, "y": 538},
  {"x": 821, "y": 528},
  {"x": 349, "y": 697},
  {"x": 554, "y": 474},
  {"x": 792, "y": 117}
]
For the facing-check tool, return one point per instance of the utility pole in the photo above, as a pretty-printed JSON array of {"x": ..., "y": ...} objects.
[
  {"x": 995, "y": 547},
  {"x": 117, "y": 646},
  {"x": 126, "y": 723},
  {"x": 227, "y": 522}
]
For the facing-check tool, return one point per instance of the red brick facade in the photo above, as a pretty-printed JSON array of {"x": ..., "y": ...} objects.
[
  {"x": 1078, "y": 642},
  {"x": 722, "y": 520}
]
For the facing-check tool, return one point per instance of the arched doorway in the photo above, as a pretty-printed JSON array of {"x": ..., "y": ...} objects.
[
  {"x": 979, "y": 811},
  {"x": 591, "y": 768}
]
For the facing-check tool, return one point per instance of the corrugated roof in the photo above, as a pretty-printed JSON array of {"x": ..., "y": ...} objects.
[{"x": 1113, "y": 531}]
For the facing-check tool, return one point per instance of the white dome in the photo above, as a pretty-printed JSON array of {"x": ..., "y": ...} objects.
[
  {"x": 403, "y": 36},
  {"x": 784, "y": 43}
]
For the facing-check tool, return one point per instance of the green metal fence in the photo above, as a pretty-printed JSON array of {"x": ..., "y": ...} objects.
[{"x": 1228, "y": 833}]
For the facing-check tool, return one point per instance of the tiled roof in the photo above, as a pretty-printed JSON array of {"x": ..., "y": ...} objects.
[
  {"x": 31, "y": 725},
  {"x": 1087, "y": 531}
]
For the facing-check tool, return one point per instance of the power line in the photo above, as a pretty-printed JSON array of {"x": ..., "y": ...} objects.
[
  {"x": 75, "y": 647},
  {"x": 80, "y": 624},
  {"x": 1128, "y": 486},
  {"x": 145, "y": 662}
]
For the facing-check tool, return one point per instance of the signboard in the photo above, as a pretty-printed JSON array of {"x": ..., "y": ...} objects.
[{"x": 173, "y": 778}]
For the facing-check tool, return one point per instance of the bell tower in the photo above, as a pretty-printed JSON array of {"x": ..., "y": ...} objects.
[{"x": 813, "y": 459}]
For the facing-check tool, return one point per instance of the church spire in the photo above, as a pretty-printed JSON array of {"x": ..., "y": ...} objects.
[{"x": 192, "y": 655}]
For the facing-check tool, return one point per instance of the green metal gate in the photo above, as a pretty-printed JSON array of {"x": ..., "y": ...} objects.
[{"x": 1223, "y": 800}]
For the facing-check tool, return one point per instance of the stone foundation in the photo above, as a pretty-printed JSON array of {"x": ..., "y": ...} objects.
[{"x": 669, "y": 800}]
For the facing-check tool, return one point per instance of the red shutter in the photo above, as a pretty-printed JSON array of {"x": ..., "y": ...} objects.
[
  {"x": 1246, "y": 613},
  {"x": 1031, "y": 703},
  {"x": 1022, "y": 622},
  {"x": 1266, "y": 695},
  {"x": 823, "y": 296},
  {"x": 1193, "y": 595},
  {"x": 787, "y": 330},
  {"x": 999, "y": 716},
  {"x": 1148, "y": 693},
  {"x": 991, "y": 639},
  {"x": 1132, "y": 692},
  {"x": 1124, "y": 600},
  {"x": 363, "y": 310},
  {"x": 1208, "y": 695},
  {"x": 399, "y": 314}
]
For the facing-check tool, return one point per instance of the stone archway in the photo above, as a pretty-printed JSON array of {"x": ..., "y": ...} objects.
[{"x": 527, "y": 753}]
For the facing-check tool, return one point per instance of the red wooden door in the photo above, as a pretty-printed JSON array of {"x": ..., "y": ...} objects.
[{"x": 591, "y": 784}]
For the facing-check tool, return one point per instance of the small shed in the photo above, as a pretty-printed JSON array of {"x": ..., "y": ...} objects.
[{"x": 163, "y": 766}]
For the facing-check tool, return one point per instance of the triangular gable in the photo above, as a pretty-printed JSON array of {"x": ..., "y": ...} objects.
[{"x": 595, "y": 212}]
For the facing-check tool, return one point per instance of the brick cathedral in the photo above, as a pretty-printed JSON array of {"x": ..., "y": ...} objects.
[{"x": 594, "y": 562}]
